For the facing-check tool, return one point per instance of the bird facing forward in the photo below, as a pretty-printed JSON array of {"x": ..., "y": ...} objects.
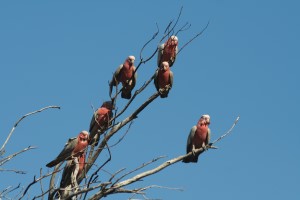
[{"x": 199, "y": 137}]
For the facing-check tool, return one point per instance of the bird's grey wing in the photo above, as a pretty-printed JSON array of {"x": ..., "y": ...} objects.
[
  {"x": 171, "y": 78},
  {"x": 65, "y": 153},
  {"x": 156, "y": 80},
  {"x": 189, "y": 144},
  {"x": 114, "y": 80},
  {"x": 160, "y": 52},
  {"x": 134, "y": 79},
  {"x": 93, "y": 122},
  {"x": 208, "y": 137}
]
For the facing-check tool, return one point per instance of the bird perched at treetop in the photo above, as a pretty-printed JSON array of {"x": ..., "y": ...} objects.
[{"x": 168, "y": 51}]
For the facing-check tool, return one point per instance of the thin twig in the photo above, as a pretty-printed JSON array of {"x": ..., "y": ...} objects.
[
  {"x": 42, "y": 189},
  {"x": 88, "y": 189},
  {"x": 35, "y": 180},
  {"x": 120, "y": 125},
  {"x": 96, "y": 172},
  {"x": 138, "y": 168},
  {"x": 185, "y": 27},
  {"x": 198, "y": 34},
  {"x": 142, "y": 60},
  {"x": 12, "y": 170},
  {"x": 6, "y": 159},
  {"x": 228, "y": 132},
  {"x": 157, "y": 169},
  {"x": 16, "y": 124},
  {"x": 135, "y": 94},
  {"x": 177, "y": 20},
  {"x": 153, "y": 186},
  {"x": 8, "y": 190},
  {"x": 123, "y": 136}
]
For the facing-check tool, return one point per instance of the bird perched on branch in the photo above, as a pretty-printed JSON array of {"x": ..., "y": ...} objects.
[
  {"x": 72, "y": 171},
  {"x": 125, "y": 74},
  {"x": 100, "y": 121},
  {"x": 199, "y": 137},
  {"x": 75, "y": 147},
  {"x": 168, "y": 51},
  {"x": 163, "y": 79}
]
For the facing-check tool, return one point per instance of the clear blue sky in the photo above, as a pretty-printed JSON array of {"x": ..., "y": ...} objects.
[{"x": 245, "y": 64}]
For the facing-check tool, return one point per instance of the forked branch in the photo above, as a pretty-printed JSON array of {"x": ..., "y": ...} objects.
[
  {"x": 118, "y": 187},
  {"x": 17, "y": 123}
]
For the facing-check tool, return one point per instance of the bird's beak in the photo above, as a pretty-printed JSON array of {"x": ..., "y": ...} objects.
[{"x": 207, "y": 121}]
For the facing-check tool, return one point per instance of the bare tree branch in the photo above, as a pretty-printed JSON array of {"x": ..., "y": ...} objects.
[
  {"x": 52, "y": 179},
  {"x": 35, "y": 180},
  {"x": 8, "y": 158},
  {"x": 118, "y": 126},
  {"x": 85, "y": 190},
  {"x": 96, "y": 172},
  {"x": 140, "y": 190},
  {"x": 8, "y": 190},
  {"x": 228, "y": 132},
  {"x": 123, "y": 136},
  {"x": 142, "y": 60},
  {"x": 12, "y": 170},
  {"x": 185, "y": 27},
  {"x": 116, "y": 186},
  {"x": 140, "y": 167},
  {"x": 135, "y": 94},
  {"x": 177, "y": 20},
  {"x": 198, "y": 34},
  {"x": 42, "y": 189},
  {"x": 116, "y": 183},
  {"x": 16, "y": 124}
]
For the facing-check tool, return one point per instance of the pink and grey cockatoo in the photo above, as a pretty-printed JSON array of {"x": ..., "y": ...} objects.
[
  {"x": 100, "y": 121},
  {"x": 125, "y": 74},
  {"x": 168, "y": 51},
  {"x": 73, "y": 148},
  {"x": 163, "y": 77},
  {"x": 199, "y": 137},
  {"x": 72, "y": 171}
]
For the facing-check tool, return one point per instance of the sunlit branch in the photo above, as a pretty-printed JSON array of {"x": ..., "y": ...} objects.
[
  {"x": 157, "y": 169},
  {"x": 35, "y": 180},
  {"x": 8, "y": 158},
  {"x": 16, "y": 124}
]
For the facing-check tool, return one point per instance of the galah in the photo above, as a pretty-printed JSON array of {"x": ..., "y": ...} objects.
[
  {"x": 125, "y": 74},
  {"x": 100, "y": 121},
  {"x": 168, "y": 51},
  {"x": 199, "y": 137},
  {"x": 163, "y": 79},
  {"x": 73, "y": 148},
  {"x": 72, "y": 171}
]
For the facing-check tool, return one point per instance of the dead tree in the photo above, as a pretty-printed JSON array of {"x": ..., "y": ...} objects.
[{"x": 90, "y": 185}]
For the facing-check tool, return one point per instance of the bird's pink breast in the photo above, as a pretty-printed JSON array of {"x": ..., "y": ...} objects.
[
  {"x": 103, "y": 115},
  {"x": 164, "y": 78},
  {"x": 169, "y": 52},
  {"x": 126, "y": 73},
  {"x": 81, "y": 145},
  {"x": 200, "y": 135}
]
